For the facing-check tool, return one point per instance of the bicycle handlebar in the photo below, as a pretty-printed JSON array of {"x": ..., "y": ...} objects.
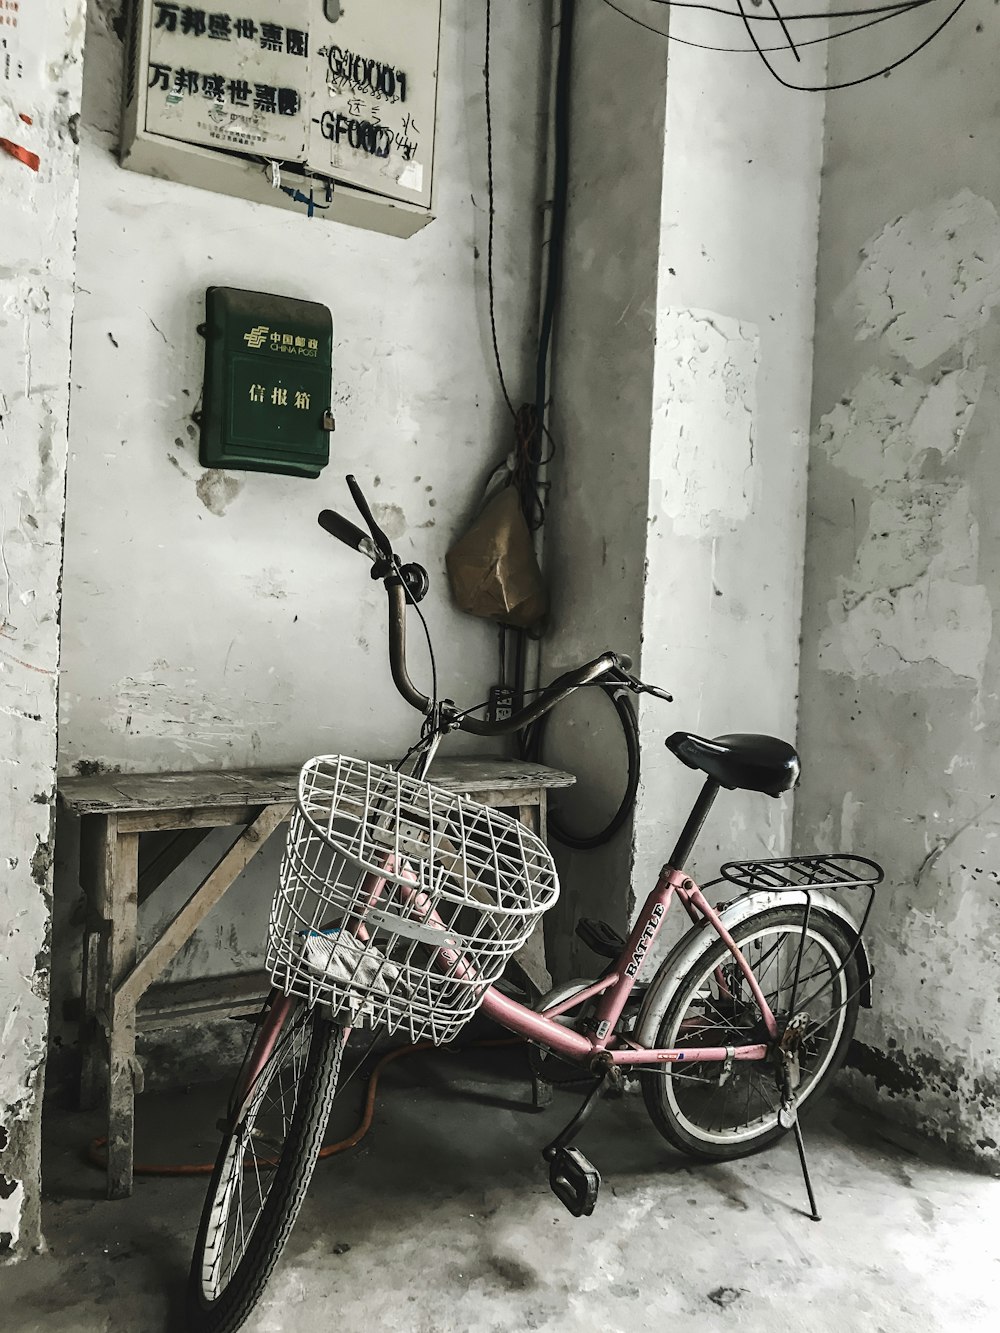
[
  {"x": 382, "y": 543},
  {"x": 344, "y": 530},
  {"x": 553, "y": 694},
  {"x": 398, "y": 586}
]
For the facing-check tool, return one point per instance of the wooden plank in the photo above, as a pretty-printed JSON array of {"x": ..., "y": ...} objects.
[
  {"x": 208, "y": 817},
  {"x": 100, "y": 794},
  {"x": 121, "y": 942},
  {"x": 502, "y": 798},
  {"x": 133, "y": 792},
  {"x": 165, "y": 860},
  {"x": 495, "y": 774},
  {"x": 169, "y": 1004},
  {"x": 173, "y": 791},
  {"x": 168, "y": 791},
  {"x": 530, "y": 958},
  {"x": 200, "y": 903}
]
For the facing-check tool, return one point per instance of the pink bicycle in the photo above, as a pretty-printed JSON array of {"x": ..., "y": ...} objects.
[{"x": 399, "y": 906}]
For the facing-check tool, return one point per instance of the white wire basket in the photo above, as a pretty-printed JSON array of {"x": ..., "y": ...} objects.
[{"x": 400, "y": 903}]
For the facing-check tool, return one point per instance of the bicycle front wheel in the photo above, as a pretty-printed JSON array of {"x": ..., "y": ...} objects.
[
  {"x": 719, "y": 1114},
  {"x": 263, "y": 1169}
]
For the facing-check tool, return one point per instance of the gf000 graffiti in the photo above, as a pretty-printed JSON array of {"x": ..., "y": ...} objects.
[{"x": 376, "y": 140}]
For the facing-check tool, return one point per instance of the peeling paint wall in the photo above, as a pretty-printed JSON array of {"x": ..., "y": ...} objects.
[
  {"x": 39, "y": 94},
  {"x": 209, "y": 622},
  {"x": 900, "y": 684}
]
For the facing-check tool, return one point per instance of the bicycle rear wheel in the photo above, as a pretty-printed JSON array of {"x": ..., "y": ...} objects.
[
  {"x": 265, "y": 1162},
  {"x": 720, "y": 1115}
]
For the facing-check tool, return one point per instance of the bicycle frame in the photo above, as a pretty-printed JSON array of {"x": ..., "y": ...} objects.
[{"x": 614, "y": 990}]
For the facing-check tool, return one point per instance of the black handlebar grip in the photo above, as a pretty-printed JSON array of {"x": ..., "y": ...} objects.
[
  {"x": 344, "y": 530},
  {"x": 624, "y": 661},
  {"x": 378, "y": 536}
]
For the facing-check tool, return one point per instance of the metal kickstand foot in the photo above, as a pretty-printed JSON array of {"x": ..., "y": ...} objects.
[
  {"x": 788, "y": 1116},
  {"x": 814, "y": 1214}
]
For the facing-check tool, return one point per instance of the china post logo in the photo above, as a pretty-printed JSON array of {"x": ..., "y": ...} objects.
[{"x": 257, "y": 337}]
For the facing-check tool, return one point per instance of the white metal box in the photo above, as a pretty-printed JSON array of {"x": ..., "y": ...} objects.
[{"x": 326, "y": 107}]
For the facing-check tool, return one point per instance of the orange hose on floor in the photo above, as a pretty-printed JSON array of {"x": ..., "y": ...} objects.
[{"x": 97, "y": 1157}]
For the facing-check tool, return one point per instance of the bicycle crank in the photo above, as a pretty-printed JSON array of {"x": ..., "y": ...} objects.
[{"x": 573, "y": 1178}]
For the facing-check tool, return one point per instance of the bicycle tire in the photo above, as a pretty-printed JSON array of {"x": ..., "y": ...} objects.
[
  {"x": 661, "y": 1099},
  {"x": 630, "y": 728},
  {"x": 300, "y": 1151}
]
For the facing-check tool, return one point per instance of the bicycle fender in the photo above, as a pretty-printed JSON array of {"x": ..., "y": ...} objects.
[{"x": 699, "y": 939}]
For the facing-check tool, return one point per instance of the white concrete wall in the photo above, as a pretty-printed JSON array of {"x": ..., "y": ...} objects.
[
  {"x": 900, "y": 671},
  {"x": 37, "y": 243},
  {"x": 729, "y": 437},
  {"x": 209, "y": 623}
]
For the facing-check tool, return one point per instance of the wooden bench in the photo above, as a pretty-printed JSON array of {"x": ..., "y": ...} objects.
[{"x": 121, "y": 866}]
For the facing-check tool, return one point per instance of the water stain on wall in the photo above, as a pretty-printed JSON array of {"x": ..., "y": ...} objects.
[
  {"x": 888, "y": 424},
  {"x": 912, "y": 602},
  {"x": 907, "y": 603},
  {"x": 905, "y": 487},
  {"x": 217, "y": 490},
  {"x": 704, "y": 410},
  {"x": 928, "y": 279}
]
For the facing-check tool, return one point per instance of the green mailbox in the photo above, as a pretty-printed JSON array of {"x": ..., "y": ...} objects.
[{"x": 268, "y": 371}]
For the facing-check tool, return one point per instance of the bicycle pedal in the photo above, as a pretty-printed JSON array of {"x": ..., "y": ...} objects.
[
  {"x": 574, "y": 1181},
  {"x": 598, "y": 936}
]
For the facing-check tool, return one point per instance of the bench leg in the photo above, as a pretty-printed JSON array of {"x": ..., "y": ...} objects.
[
  {"x": 530, "y": 958},
  {"x": 98, "y": 839},
  {"x": 121, "y": 1105},
  {"x": 541, "y": 1092},
  {"x": 121, "y": 952},
  {"x": 89, "y": 1034}
]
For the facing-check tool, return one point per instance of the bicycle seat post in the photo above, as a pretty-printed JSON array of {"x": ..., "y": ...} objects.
[{"x": 695, "y": 823}]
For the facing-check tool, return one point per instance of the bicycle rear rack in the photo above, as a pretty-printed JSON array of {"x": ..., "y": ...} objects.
[{"x": 838, "y": 870}]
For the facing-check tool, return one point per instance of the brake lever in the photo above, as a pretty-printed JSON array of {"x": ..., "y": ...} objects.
[
  {"x": 382, "y": 543},
  {"x": 656, "y": 692},
  {"x": 637, "y": 686}
]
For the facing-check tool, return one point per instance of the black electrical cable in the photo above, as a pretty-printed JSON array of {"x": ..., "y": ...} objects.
[
  {"x": 533, "y": 499},
  {"x": 630, "y": 728},
  {"x": 751, "y": 51},
  {"x": 884, "y": 12},
  {"x": 560, "y": 197},
  {"x": 492, "y": 211},
  {"x": 858, "y": 12},
  {"x": 848, "y": 83},
  {"x": 784, "y": 28}
]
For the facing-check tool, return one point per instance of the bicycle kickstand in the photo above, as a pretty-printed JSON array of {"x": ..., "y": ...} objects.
[{"x": 788, "y": 1117}]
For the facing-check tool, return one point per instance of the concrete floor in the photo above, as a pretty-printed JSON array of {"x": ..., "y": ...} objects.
[{"x": 450, "y": 1226}]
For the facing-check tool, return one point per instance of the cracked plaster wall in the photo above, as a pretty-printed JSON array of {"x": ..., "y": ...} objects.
[
  {"x": 37, "y": 244},
  {"x": 900, "y": 714},
  {"x": 209, "y": 623}
]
